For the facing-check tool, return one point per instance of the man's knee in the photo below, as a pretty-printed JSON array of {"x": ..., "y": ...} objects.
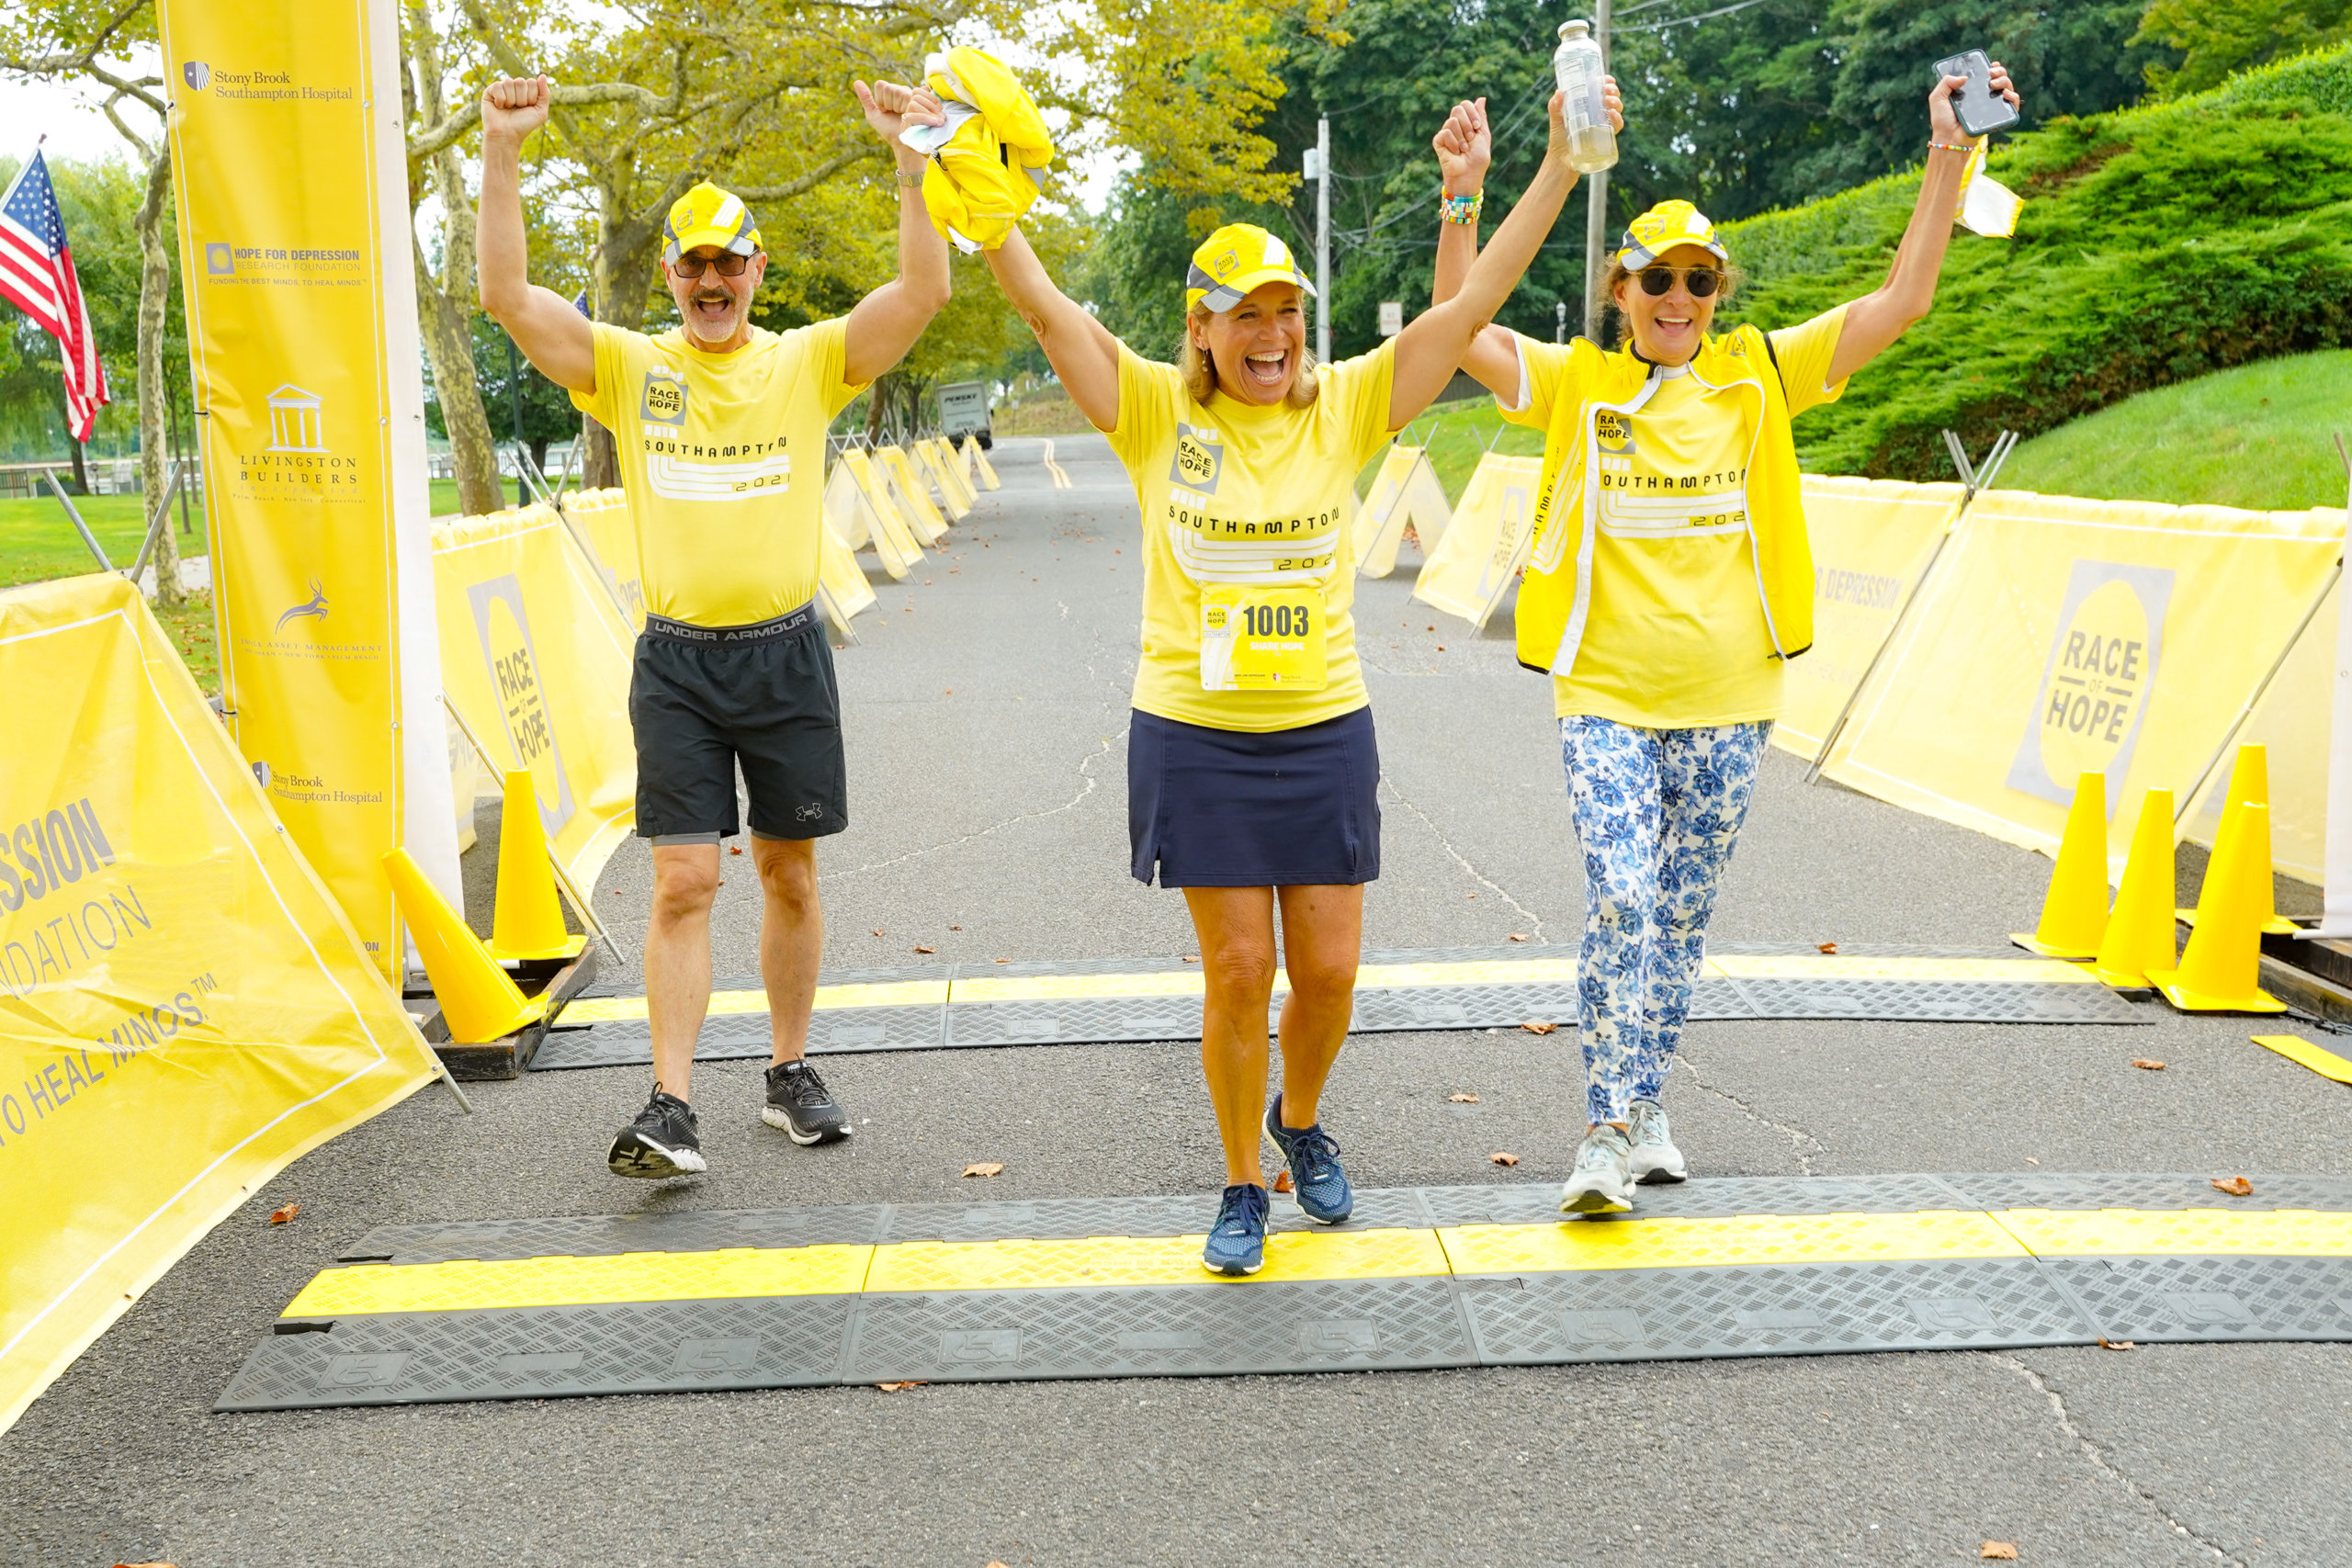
[
  {"x": 788, "y": 870},
  {"x": 683, "y": 885}
]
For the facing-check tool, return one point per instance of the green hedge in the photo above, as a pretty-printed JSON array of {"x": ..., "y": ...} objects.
[{"x": 2156, "y": 244}]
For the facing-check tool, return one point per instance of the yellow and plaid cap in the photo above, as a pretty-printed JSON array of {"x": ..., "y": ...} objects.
[
  {"x": 1235, "y": 260},
  {"x": 1665, "y": 226},
  {"x": 709, "y": 215}
]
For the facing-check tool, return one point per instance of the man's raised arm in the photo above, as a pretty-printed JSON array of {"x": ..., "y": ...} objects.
[
  {"x": 552, "y": 335},
  {"x": 885, "y": 324}
]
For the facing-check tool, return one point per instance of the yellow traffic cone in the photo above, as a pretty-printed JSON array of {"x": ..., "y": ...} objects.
[
  {"x": 2140, "y": 928},
  {"x": 527, "y": 920},
  {"x": 477, "y": 1001},
  {"x": 2220, "y": 970},
  {"x": 2249, "y": 785},
  {"x": 2074, "y": 912}
]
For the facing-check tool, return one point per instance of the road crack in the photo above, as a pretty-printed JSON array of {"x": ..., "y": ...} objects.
[
  {"x": 1086, "y": 772},
  {"x": 1799, "y": 1139},
  {"x": 2097, "y": 1454},
  {"x": 1534, "y": 920}
]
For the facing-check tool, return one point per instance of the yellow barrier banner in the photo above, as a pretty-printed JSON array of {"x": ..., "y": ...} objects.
[
  {"x": 2059, "y": 635},
  {"x": 603, "y": 519},
  {"x": 536, "y": 660},
  {"x": 2295, "y": 725},
  {"x": 288, "y": 166},
  {"x": 1405, "y": 491},
  {"x": 183, "y": 1007},
  {"x": 1476, "y": 560},
  {"x": 854, "y": 499},
  {"x": 910, "y": 495},
  {"x": 1871, "y": 538},
  {"x": 979, "y": 460},
  {"x": 847, "y": 593},
  {"x": 941, "y": 468}
]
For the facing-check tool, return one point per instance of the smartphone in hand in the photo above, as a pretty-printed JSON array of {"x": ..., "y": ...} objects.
[{"x": 1977, "y": 106}]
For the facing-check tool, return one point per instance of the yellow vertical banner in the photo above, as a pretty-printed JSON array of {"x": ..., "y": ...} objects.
[
  {"x": 288, "y": 169},
  {"x": 183, "y": 1008}
]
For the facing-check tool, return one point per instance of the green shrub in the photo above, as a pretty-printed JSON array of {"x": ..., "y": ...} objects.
[{"x": 2158, "y": 244}]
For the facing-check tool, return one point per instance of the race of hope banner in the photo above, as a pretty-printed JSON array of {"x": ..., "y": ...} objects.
[
  {"x": 289, "y": 170},
  {"x": 183, "y": 1008}
]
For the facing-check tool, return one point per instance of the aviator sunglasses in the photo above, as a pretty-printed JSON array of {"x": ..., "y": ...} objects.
[
  {"x": 733, "y": 265},
  {"x": 1702, "y": 281}
]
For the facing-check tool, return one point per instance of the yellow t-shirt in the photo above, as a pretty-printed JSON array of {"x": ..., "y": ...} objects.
[
  {"x": 1676, "y": 637},
  {"x": 1234, "y": 494},
  {"x": 723, "y": 457}
]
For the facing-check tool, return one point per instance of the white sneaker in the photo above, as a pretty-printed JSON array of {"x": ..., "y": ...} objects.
[
  {"x": 1655, "y": 1157},
  {"x": 1602, "y": 1183}
]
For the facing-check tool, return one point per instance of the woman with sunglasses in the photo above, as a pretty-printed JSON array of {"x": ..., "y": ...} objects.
[
  {"x": 1251, "y": 762},
  {"x": 1670, "y": 583}
]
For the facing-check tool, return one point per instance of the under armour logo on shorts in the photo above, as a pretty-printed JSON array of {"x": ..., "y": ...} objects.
[{"x": 810, "y": 812}]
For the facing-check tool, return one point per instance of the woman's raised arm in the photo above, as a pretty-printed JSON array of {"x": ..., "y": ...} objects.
[
  {"x": 1877, "y": 319},
  {"x": 1080, "y": 349}
]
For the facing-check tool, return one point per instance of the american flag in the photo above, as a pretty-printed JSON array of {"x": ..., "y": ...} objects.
[{"x": 36, "y": 275}]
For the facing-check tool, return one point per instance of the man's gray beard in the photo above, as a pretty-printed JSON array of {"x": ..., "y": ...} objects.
[{"x": 694, "y": 324}]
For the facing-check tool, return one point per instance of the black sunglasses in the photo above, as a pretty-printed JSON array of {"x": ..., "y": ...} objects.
[
  {"x": 728, "y": 266},
  {"x": 1702, "y": 281}
]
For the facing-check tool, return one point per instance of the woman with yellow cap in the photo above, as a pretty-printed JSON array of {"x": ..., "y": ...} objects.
[
  {"x": 1251, "y": 762},
  {"x": 1669, "y": 584}
]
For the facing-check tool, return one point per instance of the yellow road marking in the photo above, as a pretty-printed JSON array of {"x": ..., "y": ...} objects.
[
  {"x": 1719, "y": 1242},
  {"x": 1062, "y": 987},
  {"x": 584, "y": 1282},
  {"x": 1834, "y": 967},
  {"x": 1061, "y": 480},
  {"x": 2326, "y": 1064},
  {"x": 887, "y": 994},
  {"x": 1146, "y": 1261},
  {"x": 2117, "y": 1232}
]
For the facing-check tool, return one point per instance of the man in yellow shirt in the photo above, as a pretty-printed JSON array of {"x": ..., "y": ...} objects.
[{"x": 720, "y": 427}]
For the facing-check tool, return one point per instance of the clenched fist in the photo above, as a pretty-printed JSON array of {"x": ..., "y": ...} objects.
[{"x": 516, "y": 107}]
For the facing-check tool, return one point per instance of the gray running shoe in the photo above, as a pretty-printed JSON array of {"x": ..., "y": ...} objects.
[
  {"x": 1656, "y": 1158},
  {"x": 1602, "y": 1183}
]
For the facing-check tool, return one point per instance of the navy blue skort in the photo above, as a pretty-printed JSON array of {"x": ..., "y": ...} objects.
[{"x": 1248, "y": 808}]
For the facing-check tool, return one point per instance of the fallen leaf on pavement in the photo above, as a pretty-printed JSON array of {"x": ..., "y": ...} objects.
[
  {"x": 983, "y": 1169},
  {"x": 2115, "y": 1345},
  {"x": 1537, "y": 1026},
  {"x": 1999, "y": 1551},
  {"x": 1516, "y": 937},
  {"x": 900, "y": 1387},
  {"x": 1282, "y": 1181},
  {"x": 280, "y": 1216},
  {"x": 2236, "y": 1186},
  {"x": 954, "y": 928},
  {"x": 2030, "y": 1160},
  {"x": 1190, "y": 959},
  {"x": 1501, "y": 1157},
  {"x": 2148, "y": 1063},
  {"x": 877, "y": 931},
  {"x": 1004, "y": 960},
  {"x": 926, "y": 950},
  {"x": 1462, "y": 1098},
  {"x": 1828, "y": 947},
  {"x": 142, "y": 1566},
  {"x": 734, "y": 848}
]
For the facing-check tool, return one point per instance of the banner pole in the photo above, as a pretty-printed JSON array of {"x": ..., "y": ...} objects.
[
  {"x": 156, "y": 526},
  {"x": 579, "y": 904},
  {"x": 79, "y": 527},
  {"x": 1971, "y": 484},
  {"x": 2245, "y": 710},
  {"x": 2335, "y": 891}
]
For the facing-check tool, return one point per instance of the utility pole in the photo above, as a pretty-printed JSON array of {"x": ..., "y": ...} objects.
[
  {"x": 1560, "y": 325},
  {"x": 1323, "y": 240},
  {"x": 1596, "y": 214}
]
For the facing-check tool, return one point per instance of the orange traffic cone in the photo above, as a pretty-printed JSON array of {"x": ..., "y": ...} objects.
[
  {"x": 2249, "y": 785},
  {"x": 2074, "y": 912},
  {"x": 2223, "y": 963},
  {"x": 527, "y": 920},
  {"x": 477, "y": 1001},
  {"x": 2140, "y": 929}
]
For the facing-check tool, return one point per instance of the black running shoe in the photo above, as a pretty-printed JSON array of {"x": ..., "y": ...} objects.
[
  {"x": 661, "y": 1142},
  {"x": 798, "y": 1103}
]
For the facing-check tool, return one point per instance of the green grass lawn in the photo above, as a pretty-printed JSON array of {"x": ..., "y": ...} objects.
[
  {"x": 2257, "y": 437},
  {"x": 1457, "y": 434}
]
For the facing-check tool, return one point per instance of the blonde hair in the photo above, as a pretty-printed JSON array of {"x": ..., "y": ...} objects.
[
  {"x": 1619, "y": 273},
  {"x": 1193, "y": 363}
]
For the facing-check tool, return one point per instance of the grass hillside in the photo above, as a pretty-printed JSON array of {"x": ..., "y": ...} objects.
[
  {"x": 2258, "y": 436},
  {"x": 2158, "y": 244}
]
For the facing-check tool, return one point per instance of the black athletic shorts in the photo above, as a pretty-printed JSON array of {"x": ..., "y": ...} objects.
[{"x": 768, "y": 703}]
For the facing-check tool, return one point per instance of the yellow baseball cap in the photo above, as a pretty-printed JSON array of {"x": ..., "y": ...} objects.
[
  {"x": 1235, "y": 260},
  {"x": 1665, "y": 226},
  {"x": 709, "y": 215}
]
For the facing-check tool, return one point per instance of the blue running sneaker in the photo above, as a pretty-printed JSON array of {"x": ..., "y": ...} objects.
[
  {"x": 1312, "y": 1156},
  {"x": 1237, "y": 1243}
]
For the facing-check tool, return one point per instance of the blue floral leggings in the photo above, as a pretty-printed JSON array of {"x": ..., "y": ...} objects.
[{"x": 1657, "y": 812}]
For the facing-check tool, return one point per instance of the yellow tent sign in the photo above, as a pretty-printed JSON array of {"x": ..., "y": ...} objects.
[
  {"x": 1474, "y": 563},
  {"x": 174, "y": 978}
]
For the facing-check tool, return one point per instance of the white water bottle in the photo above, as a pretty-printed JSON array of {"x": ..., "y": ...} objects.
[{"x": 1593, "y": 145}]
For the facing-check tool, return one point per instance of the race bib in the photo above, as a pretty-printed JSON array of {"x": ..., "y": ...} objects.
[{"x": 1263, "y": 639}]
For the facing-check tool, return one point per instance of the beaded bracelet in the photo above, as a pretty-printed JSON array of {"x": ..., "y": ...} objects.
[
  {"x": 1461, "y": 209},
  {"x": 1952, "y": 147}
]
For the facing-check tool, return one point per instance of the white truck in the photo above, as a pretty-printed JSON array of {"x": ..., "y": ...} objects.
[{"x": 964, "y": 411}]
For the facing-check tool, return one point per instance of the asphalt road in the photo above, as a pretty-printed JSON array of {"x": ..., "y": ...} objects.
[{"x": 987, "y": 704}]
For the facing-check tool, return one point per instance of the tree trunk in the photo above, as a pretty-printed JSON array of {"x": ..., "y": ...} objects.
[
  {"x": 154, "y": 398},
  {"x": 600, "y": 463}
]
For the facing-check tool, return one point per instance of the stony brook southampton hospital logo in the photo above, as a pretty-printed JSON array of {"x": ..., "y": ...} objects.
[
  {"x": 2093, "y": 700},
  {"x": 196, "y": 74}
]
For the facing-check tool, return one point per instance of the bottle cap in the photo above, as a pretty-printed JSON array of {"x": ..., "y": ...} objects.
[{"x": 1574, "y": 29}]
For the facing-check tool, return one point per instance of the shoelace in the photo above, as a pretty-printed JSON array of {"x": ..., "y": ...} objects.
[
  {"x": 1243, "y": 1211},
  {"x": 805, "y": 1087},
  {"x": 1310, "y": 1151}
]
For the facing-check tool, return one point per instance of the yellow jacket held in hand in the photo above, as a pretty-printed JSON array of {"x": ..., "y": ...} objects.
[
  {"x": 1556, "y": 596},
  {"x": 988, "y": 163}
]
